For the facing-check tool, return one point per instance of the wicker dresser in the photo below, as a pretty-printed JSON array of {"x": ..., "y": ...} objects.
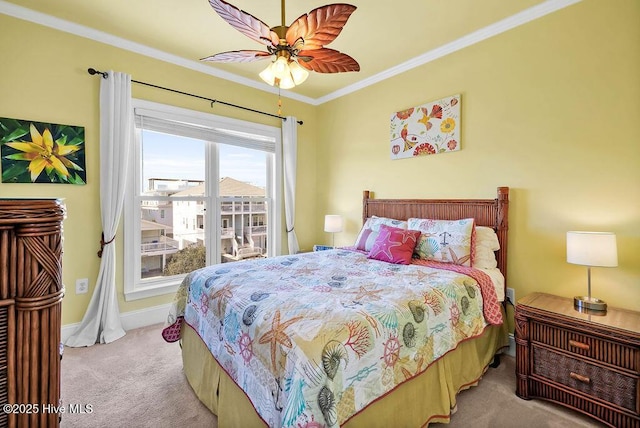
[
  {"x": 587, "y": 362},
  {"x": 30, "y": 311}
]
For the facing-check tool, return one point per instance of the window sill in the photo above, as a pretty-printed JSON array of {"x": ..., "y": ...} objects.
[{"x": 151, "y": 291}]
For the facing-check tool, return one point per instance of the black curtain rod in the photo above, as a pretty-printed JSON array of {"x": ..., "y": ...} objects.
[{"x": 93, "y": 71}]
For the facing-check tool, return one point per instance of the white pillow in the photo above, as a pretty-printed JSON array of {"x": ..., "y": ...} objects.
[
  {"x": 484, "y": 258},
  {"x": 487, "y": 236},
  {"x": 486, "y": 244}
]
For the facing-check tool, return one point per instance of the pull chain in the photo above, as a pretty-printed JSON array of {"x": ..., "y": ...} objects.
[{"x": 279, "y": 103}]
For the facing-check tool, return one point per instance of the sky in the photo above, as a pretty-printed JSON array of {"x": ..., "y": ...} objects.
[{"x": 169, "y": 156}]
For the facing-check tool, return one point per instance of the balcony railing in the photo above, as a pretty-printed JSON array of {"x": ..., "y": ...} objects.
[
  {"x": 227, "y": 232},
  {"x": 163, "y": 245},
  {"x": 242, "y": 208},
  {"x": 256, "y": 230},
  {"x": 230, "y": 232}
]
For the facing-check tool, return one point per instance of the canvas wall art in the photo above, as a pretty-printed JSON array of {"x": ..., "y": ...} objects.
[
  {"x": 427, "y": 129},
  {"x": 36, "y": 152}
]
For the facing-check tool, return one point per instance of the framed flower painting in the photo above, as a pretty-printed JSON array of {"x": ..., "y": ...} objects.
[
  {"x": 36, "y": 152},
  {"x": 427, "y": 129}
]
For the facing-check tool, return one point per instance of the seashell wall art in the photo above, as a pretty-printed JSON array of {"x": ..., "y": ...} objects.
[{"x": 428, "y": 129}]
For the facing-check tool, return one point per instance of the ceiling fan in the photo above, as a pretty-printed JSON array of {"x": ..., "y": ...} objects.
[{"x": 294, "y": 49}]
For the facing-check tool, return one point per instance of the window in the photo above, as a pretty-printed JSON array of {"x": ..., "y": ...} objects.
[{"x": 202, "y": 189}]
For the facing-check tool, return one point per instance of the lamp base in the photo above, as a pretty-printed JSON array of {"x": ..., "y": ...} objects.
[{"x": 589, "y": 303}]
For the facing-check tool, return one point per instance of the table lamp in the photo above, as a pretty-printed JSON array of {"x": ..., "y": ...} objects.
[
  {"x": 591, "y": 249},
  {"x": 333, "y": 224}
]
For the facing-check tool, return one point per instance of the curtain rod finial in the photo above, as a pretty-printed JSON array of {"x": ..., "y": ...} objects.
[{"x": 93, "y": 71}]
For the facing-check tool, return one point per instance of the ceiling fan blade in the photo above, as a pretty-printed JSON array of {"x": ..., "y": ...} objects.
[
  {"x": 246, "y": 23},
  {"x": 320, "y": 26},
  {"x": 238, "y": 56},
  {"x": 326, "y": 60}
]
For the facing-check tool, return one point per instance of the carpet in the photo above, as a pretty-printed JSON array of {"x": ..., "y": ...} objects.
[{"x": 137, "y": 381}]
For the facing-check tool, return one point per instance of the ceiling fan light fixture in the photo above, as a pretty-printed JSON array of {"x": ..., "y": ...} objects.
[
  {"x": 287, "y": 82},
  {"x": 280, "y": 67},
  {"x": 298, "y": 73},
  {"x": 268, "y": 75},
  {"x": 284, "y": 73}
]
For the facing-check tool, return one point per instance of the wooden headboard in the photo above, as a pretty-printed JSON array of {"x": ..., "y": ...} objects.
[{"x": 487, "y": 212}]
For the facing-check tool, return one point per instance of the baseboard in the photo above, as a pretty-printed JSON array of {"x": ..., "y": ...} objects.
[{"x": 130, "y": 320}]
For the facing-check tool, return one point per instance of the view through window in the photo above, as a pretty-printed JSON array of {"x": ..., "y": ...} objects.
[
  {"x": 201, "y": 192},
  {"x": 173, "y": 214}
]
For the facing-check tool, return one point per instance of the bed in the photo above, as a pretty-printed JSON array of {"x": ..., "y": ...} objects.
[{"x": 350, "y": 336}]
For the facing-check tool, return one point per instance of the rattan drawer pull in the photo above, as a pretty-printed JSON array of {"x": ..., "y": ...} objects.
[
  {"x": 580, "y": 345},
  {"x": 583, "y": 379}
]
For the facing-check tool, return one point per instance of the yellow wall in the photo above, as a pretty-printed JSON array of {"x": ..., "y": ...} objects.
[
  {"x": 44, "y": 78},
  {"x": 550, "y": 109}
]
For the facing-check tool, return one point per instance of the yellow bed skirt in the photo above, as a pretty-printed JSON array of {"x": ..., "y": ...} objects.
[{"x": 429, "y": 397}]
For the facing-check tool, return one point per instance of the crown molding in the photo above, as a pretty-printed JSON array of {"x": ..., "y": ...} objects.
[
  {"x": 470, "y": 39},
  {"x": 494, "y": 29},
  {"x": 109, "y": 39}
]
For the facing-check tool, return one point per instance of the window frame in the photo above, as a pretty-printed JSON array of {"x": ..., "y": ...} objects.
[{"x": 136, "y": 287}]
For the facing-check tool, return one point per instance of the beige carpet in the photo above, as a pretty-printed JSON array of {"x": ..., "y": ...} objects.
[{"x": 137, "y": 381}]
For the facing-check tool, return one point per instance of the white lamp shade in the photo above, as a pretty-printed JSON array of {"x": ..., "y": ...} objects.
[
  {"x": 280, "y": 67},
  {"x": 333, "y": 223},
  {"x": 592, "y": 249},
  {"x": 298, "y": 73},
  {"x": 287, "y": 82},
  {"x": 268, "y": 76}
]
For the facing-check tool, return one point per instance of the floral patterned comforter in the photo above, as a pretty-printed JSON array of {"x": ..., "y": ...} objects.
[{"x": 319, "y": 336}]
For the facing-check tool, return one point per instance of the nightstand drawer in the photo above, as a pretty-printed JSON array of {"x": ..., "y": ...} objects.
[
  {"x": 614, "y": 353},
  {"x": 595, "y": 381}
]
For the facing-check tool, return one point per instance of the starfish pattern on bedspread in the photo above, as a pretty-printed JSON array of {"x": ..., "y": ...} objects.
[{"x": 277, "y": 335}]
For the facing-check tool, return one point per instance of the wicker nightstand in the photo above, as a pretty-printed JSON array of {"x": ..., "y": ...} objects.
[{"x": 590, "y": 363}]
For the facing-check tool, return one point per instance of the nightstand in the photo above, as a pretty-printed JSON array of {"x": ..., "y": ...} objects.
[
  {"x": 586, "y": 362},
  {"x": 322, "y": 247}
]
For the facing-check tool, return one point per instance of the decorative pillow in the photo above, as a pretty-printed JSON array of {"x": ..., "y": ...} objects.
[
  {"x": 394, "y": 245},
  {"x": 447, "y": 241},
  {"x": 370, "y": 229}
]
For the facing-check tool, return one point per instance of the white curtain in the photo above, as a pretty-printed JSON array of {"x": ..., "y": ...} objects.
[
  {"x": 101, "y": 322},
  {"x": 290, "y": 155}
]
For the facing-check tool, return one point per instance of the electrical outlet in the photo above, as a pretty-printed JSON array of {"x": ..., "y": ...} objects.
[
  {"x": 82, "y": 285},
  {"x": 511, "y": 295}
]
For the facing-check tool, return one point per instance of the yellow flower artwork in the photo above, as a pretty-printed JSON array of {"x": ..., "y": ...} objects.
[
  {"x": 35, "y": 152},
  {"x": 427, "y": 129}
]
